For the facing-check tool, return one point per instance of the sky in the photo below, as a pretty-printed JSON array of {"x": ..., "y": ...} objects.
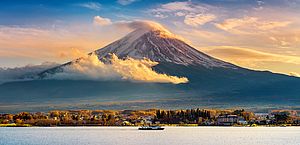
[{"x": 256, "y": 34}]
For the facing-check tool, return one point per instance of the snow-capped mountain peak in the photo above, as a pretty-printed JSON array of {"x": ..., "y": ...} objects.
[
  {"x": 156, "y": 43},
  {"x": 149, "y": 26}
]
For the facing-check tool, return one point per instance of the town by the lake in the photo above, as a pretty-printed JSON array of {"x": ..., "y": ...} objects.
[{"x": 189, "y": 117}]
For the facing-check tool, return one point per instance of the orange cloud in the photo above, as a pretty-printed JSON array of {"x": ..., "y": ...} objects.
[
  {"x": 256, "y": 59},
  {"x": 242, "y": 54},
  {"x": 199, "y": 19},
  {"x": 249, "y": 25},
  {"x": 294, "y": 74}
]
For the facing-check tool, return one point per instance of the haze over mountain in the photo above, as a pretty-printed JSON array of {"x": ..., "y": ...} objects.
[{"x": 150, "y": 67}]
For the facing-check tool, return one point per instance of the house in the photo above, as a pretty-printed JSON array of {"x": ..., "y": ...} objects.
[
  {"x": 262, "y": 116},
  {"x": 227, "y": 120},
  {"x": 291, "y": 113},
  {"x": 242, "y": 121}
]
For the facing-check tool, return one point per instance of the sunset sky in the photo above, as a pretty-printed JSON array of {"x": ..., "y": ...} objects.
[{"x": 257, "y": 34}]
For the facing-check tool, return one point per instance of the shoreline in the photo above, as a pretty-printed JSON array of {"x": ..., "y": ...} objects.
[
  {"x": 167, "y": 126},
  {"x": 190, "y": 118}
]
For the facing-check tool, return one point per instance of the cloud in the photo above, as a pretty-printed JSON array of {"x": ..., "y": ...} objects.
[
  {"x": 140, "y": 24},
  {"x": 145, "y": 26},
  {"x": 272, "y": 25},
  {"x": 91, "y": 5},
  {"x": 180, "y": 14},
  {"x": 180, "y": 6},
  {"x": 249, "y": 25},
  {"x": 285, "y": 39},
  {"x": 98, "y": 20},
  {"x": 126, "y": 2},
  {"x": 294, "y": 74},
  {"x": 229, "y": 24},
  {"x": 159, "y": 15},
  {"x": 89, "y": 67},
  {"x": 256, "y": 59},
  {"x": 195, "y": 14},
  {"x": 23, "y": 73},
  {"x": 199, "y": 19},
  {"x": 246, "y": 54}
]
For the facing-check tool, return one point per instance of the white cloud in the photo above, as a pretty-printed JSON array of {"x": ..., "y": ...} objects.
[
  {"x": 247, "y": 25},
  {"x": 186, "y": 6},
  {"x": 91, "y": 5},
  {"x": 126, "y": 2},
  {"x": 147, "y": 25},
  {"x": 180, "y": 9},
  {"x": 98, "y": 20},
  {"x": 180, "y": 14},
  {"x": 259, "y": 2},
  {"x": 176, "y": 6},
  {"x": 89, "y": 67},
  {"x": 140, "y": 24},
  {"x": 200, "y": 19},
  {"x": 159, "y": 15},
  {"x": 194, "y": 14},
  {"x": 23, "y": 73}
]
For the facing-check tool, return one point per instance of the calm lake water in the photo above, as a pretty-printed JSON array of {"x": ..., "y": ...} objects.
[{"x": 132, "y": 136}]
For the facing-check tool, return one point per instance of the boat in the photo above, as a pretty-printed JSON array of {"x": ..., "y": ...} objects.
[{"x": 151, "y": 128}]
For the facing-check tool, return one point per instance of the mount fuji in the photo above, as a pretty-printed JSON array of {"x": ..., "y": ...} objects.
[
  {"x": 154, "y": 42},
  {"x": 212, "y": 82}
]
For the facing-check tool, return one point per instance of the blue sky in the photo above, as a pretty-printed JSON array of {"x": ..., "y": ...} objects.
[
  {"x": 40, "y": 12},
  {"x": 29, "y": 12},
  {"x": 258, "y": 34}
]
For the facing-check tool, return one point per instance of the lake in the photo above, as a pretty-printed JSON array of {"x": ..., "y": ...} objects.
[{"x": 132, "y": 136}]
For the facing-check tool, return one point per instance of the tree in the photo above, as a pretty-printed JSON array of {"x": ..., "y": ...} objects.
[
  {"x": 158, "y": 115},
  {"x": 281, "y": 118},
  {"x": 19, "y": 121}
]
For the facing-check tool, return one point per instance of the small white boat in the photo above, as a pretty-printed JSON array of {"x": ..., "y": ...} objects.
[{"x": 151, "y": 128}]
